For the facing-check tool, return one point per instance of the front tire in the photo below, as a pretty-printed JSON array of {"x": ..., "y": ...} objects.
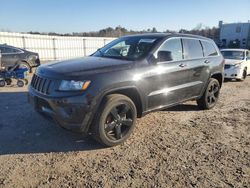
[
  {"x": 244, "y": 75},
  {"x": 210, "y": 95},
  {"x": 115, "y": 120}
]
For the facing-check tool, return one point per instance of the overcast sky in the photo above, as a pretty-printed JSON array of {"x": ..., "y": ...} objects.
[{"x": 64, "y": 16}]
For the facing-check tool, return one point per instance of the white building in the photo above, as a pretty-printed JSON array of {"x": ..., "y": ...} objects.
[{"x": 235, "y": 34}]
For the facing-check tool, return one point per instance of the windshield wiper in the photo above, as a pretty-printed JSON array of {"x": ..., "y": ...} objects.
[{"x": 117, "y": 57}]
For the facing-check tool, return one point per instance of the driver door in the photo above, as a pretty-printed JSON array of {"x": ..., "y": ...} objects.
[{"x": 169, "y": 83}]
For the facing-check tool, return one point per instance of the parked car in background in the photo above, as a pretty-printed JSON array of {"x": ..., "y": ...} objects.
[
  {"x": 12, "y": 56},
  {"x": 134, "y": 75},
  {"x": 237, "y": 63}
]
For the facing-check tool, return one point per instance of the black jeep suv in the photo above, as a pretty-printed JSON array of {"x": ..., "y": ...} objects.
[
  {"x": 104, "y": 94},
  {"x": 12, "y": 56}
]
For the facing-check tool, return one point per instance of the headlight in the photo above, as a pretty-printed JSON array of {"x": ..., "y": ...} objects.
[
  {"x": 33, "y": 57},
  {"x": 73, "y": 85}
]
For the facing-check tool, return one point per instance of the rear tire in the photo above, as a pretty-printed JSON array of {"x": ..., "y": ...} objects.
[
  {"x": 20, "y": 83},
  {"x": 2, "y": 83},
  {"x": 210, "y": 95},
  {"x": 115, "y": 120}
]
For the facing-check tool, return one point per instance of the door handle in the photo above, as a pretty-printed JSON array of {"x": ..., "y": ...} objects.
[
  {"x": 182, "y": 65},
  {"x": 206, "y": 61}
]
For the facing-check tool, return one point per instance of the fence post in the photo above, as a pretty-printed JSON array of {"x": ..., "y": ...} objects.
[
  {"x": 104, "y": 42},
  {"x": 24, "y": 44},
  {"x": 54, "y": 47},
  {"x": 84, "y": 47}
]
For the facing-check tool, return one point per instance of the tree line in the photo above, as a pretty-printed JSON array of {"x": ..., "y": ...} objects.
[{"x": 119, "y": 31}]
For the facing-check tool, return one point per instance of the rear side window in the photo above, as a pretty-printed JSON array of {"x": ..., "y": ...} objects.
[
  {"x": 15, "y": 50},
  {"x": 192, "y": 49},
  {"x": 1, "y": 49},
  {"x": 174, "y": 47},
  {"x": 9, "y": 50},
  {"x": 209, "y": 49}
]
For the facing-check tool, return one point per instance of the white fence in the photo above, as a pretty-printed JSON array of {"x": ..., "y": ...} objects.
[{"x": 54, "y": 47}]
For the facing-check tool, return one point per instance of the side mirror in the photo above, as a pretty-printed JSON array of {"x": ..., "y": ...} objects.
[{"x": 164, "y": 56}]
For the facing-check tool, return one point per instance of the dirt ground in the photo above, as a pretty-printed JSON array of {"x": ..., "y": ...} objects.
[{"x": 178, "y": 147}]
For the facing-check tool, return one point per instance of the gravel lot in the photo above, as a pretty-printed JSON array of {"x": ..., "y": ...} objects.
[{"x": 178, "y": 147}]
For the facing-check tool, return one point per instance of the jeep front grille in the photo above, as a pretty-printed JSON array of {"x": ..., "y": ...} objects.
[{"x": 41, "y": 85}]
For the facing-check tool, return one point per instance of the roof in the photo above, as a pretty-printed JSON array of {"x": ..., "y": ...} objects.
[{"x": 161, "y": 35}]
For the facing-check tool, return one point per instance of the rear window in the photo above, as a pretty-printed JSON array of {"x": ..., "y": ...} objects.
[
  {"x": 209, "y": 49},
  {"x": 192, "y": 49}
]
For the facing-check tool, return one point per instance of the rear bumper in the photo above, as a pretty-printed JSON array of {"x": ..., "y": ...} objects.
[{"x": 73, "y": 113}]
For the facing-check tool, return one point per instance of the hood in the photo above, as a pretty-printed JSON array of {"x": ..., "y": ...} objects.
[
  {"x": 85, "y": 65},
  {"x": 232, "y": 61}
]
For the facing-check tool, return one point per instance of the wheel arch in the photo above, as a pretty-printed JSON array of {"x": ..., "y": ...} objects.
[
  {"x": 132, "y": 93},
  {"x": 219, "y": 77},
  {"x": 26, "y": 62}
]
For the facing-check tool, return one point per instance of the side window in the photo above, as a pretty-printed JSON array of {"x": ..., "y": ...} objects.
[
  {"x": 192, "y": 49},
  {"x": 209, "y": 49},
  {"x": 14, "y": 50},
  {"x": 173, "y": 48},
  {"x": 2, "y": 49},
  {"x": 8, "y": 50}
]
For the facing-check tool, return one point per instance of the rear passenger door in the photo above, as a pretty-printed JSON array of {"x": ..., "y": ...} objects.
[
  {"x": 198, "y": 64},
  {"x": 10, "y": 56}
]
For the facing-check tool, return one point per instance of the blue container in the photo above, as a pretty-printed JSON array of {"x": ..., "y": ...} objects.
[{"x": 21, "y": 73}]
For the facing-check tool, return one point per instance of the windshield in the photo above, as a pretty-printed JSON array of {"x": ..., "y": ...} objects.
[
  {"x": 128, "y": 48},
  {"x": 239, "y": 55}
]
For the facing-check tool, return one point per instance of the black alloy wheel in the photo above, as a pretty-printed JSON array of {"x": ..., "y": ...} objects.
[
  {"x": 210, "y": 96},
  {"x": 213, "y": 93},
  {"x": 115, "y": 120},
  {"x": 118, "y": 122}
]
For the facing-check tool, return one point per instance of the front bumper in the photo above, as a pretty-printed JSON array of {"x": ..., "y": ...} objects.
[
  {"x": 73, "y": 113},
  {"x": 233, "y": 73}
]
